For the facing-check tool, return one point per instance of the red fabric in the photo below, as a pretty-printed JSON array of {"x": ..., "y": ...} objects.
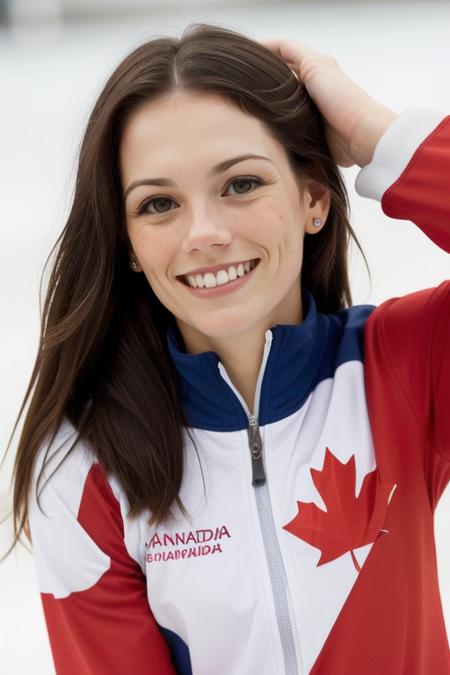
[
  {"x": 108, "y": 628},
  {"x": 401, "y": 630}
]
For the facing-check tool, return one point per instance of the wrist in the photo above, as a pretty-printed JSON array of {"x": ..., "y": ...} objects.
[{"x": 366, "y": 136}]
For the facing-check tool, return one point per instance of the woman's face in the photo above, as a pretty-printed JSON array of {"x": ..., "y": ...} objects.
[{"x": 203, "y": 215}]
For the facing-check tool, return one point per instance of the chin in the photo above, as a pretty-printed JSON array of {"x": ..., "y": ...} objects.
[{"x": 225, "y": 324}]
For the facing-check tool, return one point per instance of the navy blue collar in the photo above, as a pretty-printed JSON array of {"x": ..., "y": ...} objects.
[{"x": 300, "y": 357}]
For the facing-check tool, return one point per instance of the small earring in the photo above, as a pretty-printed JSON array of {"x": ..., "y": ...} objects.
[
  {"x": 134, "y": 265},
  {"x": 317, "y": 222}
]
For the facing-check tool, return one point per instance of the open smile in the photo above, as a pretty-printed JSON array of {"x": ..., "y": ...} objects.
[{"x": 227, "y": 282}]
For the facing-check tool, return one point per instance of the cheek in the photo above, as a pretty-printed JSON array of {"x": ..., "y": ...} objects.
[
  {"x": 279, "y": 230},
  {"x": 276, "y": 217},
  {"x": 154, "y": 250},
  {"x": 264, "y": 224}
]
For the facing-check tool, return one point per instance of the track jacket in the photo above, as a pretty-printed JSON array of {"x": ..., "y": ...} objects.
[{"x": 312, "y": 551}]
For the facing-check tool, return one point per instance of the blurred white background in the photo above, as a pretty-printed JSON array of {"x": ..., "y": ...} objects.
[{"x": 54, "y": 57}]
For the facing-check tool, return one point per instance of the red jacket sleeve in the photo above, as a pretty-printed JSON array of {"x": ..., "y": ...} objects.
[
  {"x": 409, "y": 336},
  {"x": 93, "y": 593}
]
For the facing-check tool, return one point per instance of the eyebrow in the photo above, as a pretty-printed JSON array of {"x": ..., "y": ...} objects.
[{"x": 215, "y": 171}]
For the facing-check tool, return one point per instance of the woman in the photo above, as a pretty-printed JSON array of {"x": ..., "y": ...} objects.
[{"x": 240, "y": 467}]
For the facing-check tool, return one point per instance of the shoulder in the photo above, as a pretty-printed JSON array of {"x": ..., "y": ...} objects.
[
  {"x": 406, "y": 325},
  {"x": 62, "y": 465},
  {"x": 75, "y": 506},
  {"x": 347, "y": 328}
]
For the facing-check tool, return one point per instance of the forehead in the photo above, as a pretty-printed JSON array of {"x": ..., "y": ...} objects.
[{"x": 191, "y": 126}]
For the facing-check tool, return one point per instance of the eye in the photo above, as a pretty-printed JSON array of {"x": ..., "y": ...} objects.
[
  {"x": 143, "y": 208},
  {"x": 240, "y": 180}
]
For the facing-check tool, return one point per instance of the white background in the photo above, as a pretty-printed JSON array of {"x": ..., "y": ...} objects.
[{"x": 50, "y": 76}]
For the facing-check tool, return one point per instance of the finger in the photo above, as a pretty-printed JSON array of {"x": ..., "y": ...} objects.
[{"x": 290, "y": 50}]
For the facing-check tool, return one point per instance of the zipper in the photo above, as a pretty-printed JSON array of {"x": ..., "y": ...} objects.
[
  {"x": 274, "y": 559},
  {"x": 255, "y": 443}
]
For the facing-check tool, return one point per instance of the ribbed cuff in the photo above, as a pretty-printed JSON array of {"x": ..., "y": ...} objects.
[{"x": 395, "y": 149}]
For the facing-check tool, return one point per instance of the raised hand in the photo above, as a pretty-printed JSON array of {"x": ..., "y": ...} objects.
[{"x": 354, "y": 121}]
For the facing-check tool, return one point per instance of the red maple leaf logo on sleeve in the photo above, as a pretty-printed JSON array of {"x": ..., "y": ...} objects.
[{"x": 349, "y": 522}]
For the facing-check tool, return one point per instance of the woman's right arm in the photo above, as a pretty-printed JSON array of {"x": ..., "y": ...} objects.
[{"x": 93, "y": 593}]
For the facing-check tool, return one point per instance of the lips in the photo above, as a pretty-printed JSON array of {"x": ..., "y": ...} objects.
[
  {"x": 223, "y": 289},
  {"x": 215, "y": 269}
]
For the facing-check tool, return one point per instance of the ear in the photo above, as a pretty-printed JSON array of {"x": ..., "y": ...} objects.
[
  {"x": 133, "y": 261},
  {"x": 316, "y": 204}
]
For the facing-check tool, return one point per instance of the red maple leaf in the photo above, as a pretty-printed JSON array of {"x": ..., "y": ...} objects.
[{"x": 349, "y": 522}]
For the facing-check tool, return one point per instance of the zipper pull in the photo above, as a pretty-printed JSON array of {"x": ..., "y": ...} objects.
[{"x": 255, "y": 443}]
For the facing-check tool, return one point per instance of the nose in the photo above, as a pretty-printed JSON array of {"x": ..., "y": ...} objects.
[{"x": 204, "y": 231}]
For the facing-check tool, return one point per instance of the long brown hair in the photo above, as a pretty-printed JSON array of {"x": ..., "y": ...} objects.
[{"x": 102, "y": 360}]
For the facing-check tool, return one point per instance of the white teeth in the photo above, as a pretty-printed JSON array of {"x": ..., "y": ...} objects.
[
  {"x": 222, "y": 277},
  {"x": 232, "y": 274},
  {"x": 210, "y": 280}
]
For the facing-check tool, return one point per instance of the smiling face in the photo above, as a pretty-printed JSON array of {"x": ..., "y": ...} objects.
[{"x": 213, "y": 216}]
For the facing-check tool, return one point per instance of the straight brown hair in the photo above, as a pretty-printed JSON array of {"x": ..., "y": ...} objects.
[{"x": 102, "y": 360}]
